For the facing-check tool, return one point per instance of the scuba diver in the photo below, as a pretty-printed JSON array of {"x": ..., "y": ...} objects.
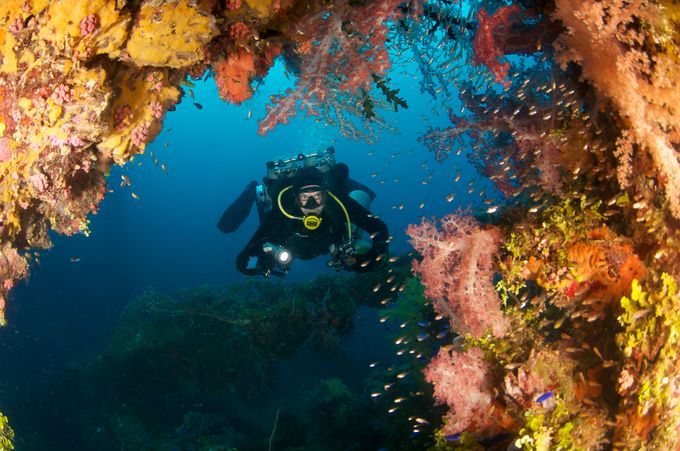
[{"x": 308, "y": 206}]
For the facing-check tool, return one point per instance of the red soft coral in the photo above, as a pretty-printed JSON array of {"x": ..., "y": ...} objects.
[
  {"x": 457, "y": 271},
  {"x": 340, "y": 48},
  {"x": 487, "y": 49}
]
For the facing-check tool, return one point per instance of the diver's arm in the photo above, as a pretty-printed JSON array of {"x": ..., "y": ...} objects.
[
  {"x": 373, "y": 225},
  {"x": 268, "y": 231},
  {"x": 252, "y": 249}
]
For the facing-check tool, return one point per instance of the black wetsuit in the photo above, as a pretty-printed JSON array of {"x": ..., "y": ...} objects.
[{"x": 305, "y": 244}]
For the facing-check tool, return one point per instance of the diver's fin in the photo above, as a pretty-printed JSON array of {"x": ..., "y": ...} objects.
[{"x": 238, "y": 211}]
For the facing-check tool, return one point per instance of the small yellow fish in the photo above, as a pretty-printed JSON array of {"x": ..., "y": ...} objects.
[{"x": 135, "y": 196}]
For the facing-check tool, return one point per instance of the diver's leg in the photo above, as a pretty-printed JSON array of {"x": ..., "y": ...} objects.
[{"x": 238, "y": 211}]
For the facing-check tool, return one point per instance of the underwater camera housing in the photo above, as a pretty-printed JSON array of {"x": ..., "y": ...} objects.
[
  {"x": 340, "y": 254},
  {"x": 285, "y": 168}
]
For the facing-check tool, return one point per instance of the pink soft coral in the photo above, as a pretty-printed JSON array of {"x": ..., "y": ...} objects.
[
  {"x": 464, "y": 382},
  {"x": 605, "y": 39},
  {"x": 457, "y": 270}
]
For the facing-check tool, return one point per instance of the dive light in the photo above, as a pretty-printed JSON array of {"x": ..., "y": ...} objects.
[{"x": 282, "y": 256}]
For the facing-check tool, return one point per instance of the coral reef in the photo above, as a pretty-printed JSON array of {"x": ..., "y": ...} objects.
[
  {"x": 487, "y": 51},
  {"x": 6, "y": 434},
  {"x": 568, "y": 107},
  {"x": 216, "y": 368},
  {"x": 584, "y": 154},
  {"x": 615, "y": 46}
]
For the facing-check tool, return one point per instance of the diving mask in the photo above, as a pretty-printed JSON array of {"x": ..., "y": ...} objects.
[{"x": 311, "y": 202}]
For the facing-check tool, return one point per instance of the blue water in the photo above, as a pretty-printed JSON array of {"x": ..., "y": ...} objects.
[{"x": 167, "y": 239}]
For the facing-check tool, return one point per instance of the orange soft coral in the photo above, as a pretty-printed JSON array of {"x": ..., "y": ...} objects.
[
  {"x": 604, "y": 268},
  {"x": 233, "y": 74}
]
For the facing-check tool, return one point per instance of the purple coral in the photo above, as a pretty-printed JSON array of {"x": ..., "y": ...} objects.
[
  {"x": 89, "y": 24},
  {"x": 157, "y": 110},
  {"x": 62, "y": 94},
  {"x": 233, "y": 5},
  {"x": 16, "y": 26},
  {"x": 75, "y": 141},
  {"x": 5, "y": 153},
  {"x": 139, "y": 135},
  {"x": 121, "y": 116},
  {"x": 39, "y": 182}
]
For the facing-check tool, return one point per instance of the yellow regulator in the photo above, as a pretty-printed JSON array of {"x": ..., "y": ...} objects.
[{"x": 311, "y": 222}]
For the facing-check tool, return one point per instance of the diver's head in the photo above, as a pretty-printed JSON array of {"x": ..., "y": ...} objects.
[{"x": 310, "y": 191}]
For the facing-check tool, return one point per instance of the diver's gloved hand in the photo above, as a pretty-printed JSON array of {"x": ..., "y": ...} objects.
[
  {"x": 242, "y": 265},
  {"x": 367, "y": 262}
]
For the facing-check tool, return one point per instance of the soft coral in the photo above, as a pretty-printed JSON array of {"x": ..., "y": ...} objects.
[{"x": 457, "y": 271}]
